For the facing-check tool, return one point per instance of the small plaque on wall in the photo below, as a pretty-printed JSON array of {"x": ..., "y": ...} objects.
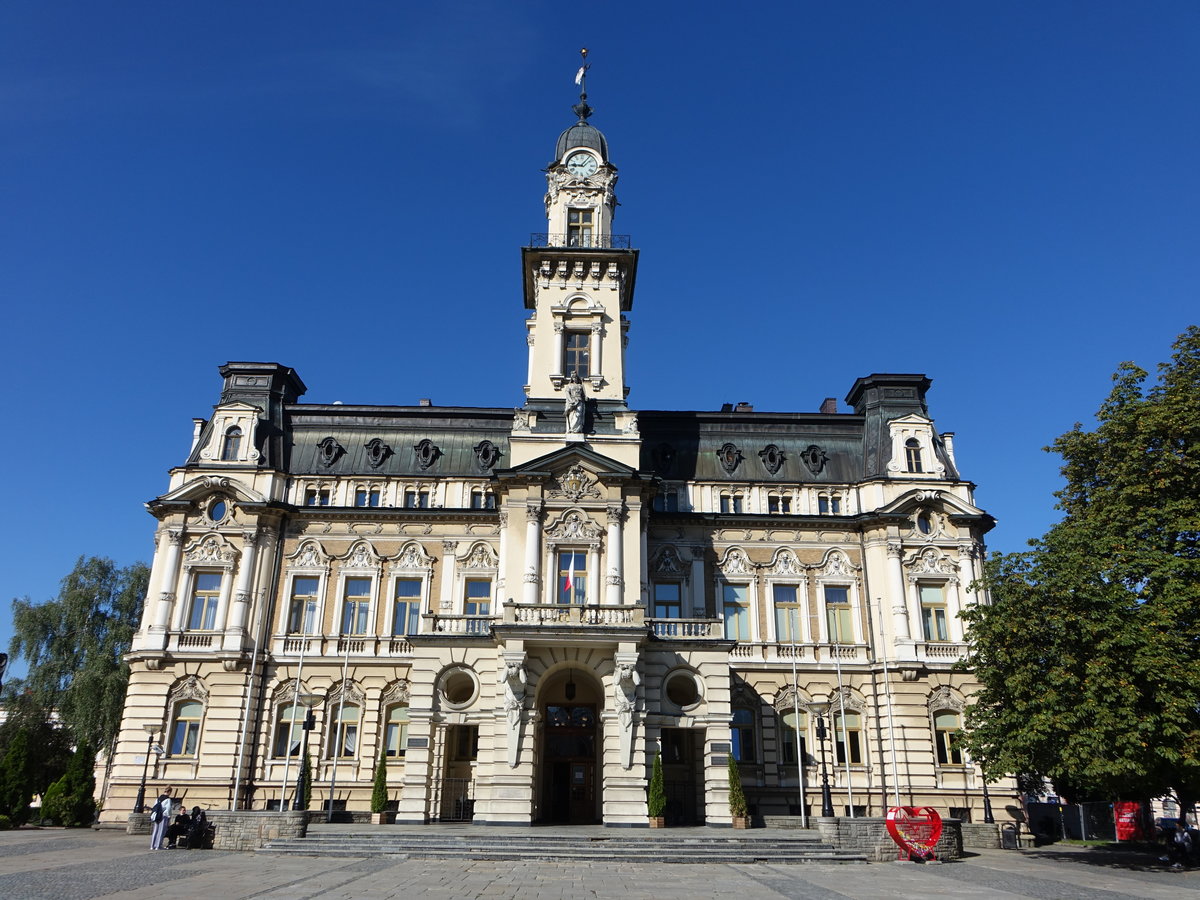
[
  {"x": 415, "y": 743},
  {"x": 721, "y": 747},
  {"x": 720, "y": 761}
]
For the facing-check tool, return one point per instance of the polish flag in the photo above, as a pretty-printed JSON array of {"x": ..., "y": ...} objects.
[{"x": 571, "y": 576}]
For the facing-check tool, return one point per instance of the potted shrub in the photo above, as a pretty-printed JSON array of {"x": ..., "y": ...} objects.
[
  {"x": 737, "y": 797},
  {"x": 656, "y": 805},
  {"x": 379, "y": 794}
]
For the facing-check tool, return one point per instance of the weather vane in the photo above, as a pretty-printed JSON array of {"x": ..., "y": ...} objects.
[{"x": 582, "y": 109}]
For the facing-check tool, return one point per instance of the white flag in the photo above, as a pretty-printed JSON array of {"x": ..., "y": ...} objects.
[{"x": 579, "y": 74}]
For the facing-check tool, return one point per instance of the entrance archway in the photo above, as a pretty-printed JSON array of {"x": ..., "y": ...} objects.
[{"x": 570, "y": 748}]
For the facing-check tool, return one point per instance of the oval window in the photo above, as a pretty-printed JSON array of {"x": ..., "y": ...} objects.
[
  {"x": 217, "y": 511},
  {"x": 923, "y": 524},
  {"x": 459, "y": 688},
  {"x": 682, "y": 690}
]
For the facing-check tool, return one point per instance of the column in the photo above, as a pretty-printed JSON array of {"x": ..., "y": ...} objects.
[
  {"x": 616, "y": 557},
  {"x": 644, "y": 567},
  {"x": 898, "y": 594},
  {"x": 449, "y": 569},
  {"x": 236, "y": 626},
  {"x": 556, "y": 365},
  {"x": 597, "y": 362},
  {"x": 502, "y": 565},
  {"x": 953, "y": 608},
  {"x": 223, "y": 599},
  {"x": 593, "y": 582},
  {"x": 170, "y": 579},
  {"x": 533, "y": 553}
]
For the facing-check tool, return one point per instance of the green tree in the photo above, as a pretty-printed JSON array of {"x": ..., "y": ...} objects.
[
  {"x": 69, "y": 801},
  {"x": 16, "y": 778},
  {"x": 737, "y": 796},
  {"x": 1087, "y": 655},
  {"x": 379, "y": 791},
  {"x": 656, "y": 805},
  {"x": 75, "y": 644},
  {"x": 53, "y": 743}
]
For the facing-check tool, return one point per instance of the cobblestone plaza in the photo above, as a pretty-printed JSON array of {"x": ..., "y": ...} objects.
[{"x": 56, "y": 864}]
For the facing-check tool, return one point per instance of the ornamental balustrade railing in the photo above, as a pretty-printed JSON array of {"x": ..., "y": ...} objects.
[
  {"x": 685, "y": 629},
  {"x": 941, "y": 651},
  {"x": 582, "y": 241},
  {"x": 564, "y": 614}
]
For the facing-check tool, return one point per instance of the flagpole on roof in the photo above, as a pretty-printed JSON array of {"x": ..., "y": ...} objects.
[{"x": 582, "y": 109}]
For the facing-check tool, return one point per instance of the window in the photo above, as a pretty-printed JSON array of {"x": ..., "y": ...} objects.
[
  {"x": 395, "y": 730},
  {"x": 356, "y": 605},
  {"x": 481, "y": 499},
  {"x": 289, "y": 729},
  {"x": 779, "y": 505},
  {"x": 787, "y": 614},
  {"x": 577, "y": 354},
  {"x": 741, "y": 733},
  {"x": 829, "y": 504},
  {"x": 853, "y": 736},
  {"x": 217, "y": 509},
  {"x": 572, "y": 578},
  {"x": 478, "y": 597},
  {"x": 787, "y": 737},
  {"x": 302, "y": 611},
  {"x": 366, "y": 497},
  {"x": 579, "y": 228},
  {"x": 407, "y": 610},
  {"x": 316, "y": 497},
  {"x": 344, "y": 741},
  {"x": 736, "y": 612},
  {"x": 912, "y": 455},
  {"x": 924, "y": 525},
  {"x": 232, "y": 445},
  {"x": 933, "y": 613},
  {"x": 837, "y": 615},
  {"x": 414, "y": 499},
  {"x": 731, "y": 504},
  {"x": 464, "y": 742},
  {"x": 667, "y": 600},
  {"x": 185, "y": 730},
  {"x": 206, "y": 590},
  {"x": 946, "y": 726},
  {"x": 668, "y": 501}
]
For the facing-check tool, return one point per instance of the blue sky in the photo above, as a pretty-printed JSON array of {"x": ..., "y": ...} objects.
[{"x": 1000, "y": 195}]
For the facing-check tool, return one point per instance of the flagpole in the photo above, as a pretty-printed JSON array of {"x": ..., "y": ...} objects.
[{"x": 339, "y": 733}]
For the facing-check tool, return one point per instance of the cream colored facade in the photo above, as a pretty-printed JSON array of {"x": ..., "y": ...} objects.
[{"x": 404, "y": 569}]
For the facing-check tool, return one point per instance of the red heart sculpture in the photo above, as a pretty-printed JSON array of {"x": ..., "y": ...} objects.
[{"x": 915, "y": 829}]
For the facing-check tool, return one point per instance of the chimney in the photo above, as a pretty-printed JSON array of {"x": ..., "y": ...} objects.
[
  {"x": 726, "y": 407},
  {"x": 829, "y": 405},
  {"x": 948, "y": 443},
  {"x": 424, "y": 401},
  {"x": 743, "y": 406},
  {"x": 197, "y": 426}
]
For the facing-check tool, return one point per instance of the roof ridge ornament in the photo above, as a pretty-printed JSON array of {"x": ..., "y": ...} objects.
[{"x": 581, "y": 108}]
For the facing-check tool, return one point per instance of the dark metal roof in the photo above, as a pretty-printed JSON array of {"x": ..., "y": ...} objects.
[{"x": 581, "y": 134}]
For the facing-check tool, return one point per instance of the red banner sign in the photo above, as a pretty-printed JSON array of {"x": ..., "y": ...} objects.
[{"x": 915, "y": 829}]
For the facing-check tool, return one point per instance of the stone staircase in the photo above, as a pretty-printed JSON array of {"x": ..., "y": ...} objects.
[{"x": 672, "y": 845}]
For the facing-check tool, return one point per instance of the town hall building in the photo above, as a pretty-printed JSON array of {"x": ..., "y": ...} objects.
[{"x": 517, "y": 609}]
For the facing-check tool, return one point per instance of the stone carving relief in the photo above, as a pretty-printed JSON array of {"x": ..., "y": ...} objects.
[
  {"x": 574, "y": 525},
  {"x": 361, "y": 556},
  {"x": 736, "y": 563},
  {"x": 786, "y": 564},
  {"x": 814, "y": 458},
  {"x": 772, "y": 458},
  {"x": 398, "y": 691},
  {"x": 412, "y": 556},
  {"x": 188, "y": 688},
  {"x": 788, "y": 698},
  {"x": 309, "y": 555},
  {"x": 730, "y": 457},
  {"x": 668, "y": 562},
  {"x": 329, "y": 451},
  {"x": 930, "y": 561},
  {"x": 353, "y": 693},
  {"x": 943, "y": 697},
  {"x": 213, "y": 549},
  {"x": 487, "y": 455},
  {"x": 480, "y": 557},
  {"x": 663, "y": 457},
  {"x": 838, "y": 564},
  {"x": 426, "y": 452},
  {"x": 575, "y": 484}
]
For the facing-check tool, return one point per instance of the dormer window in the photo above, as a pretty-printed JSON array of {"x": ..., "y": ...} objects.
[
  {"x": 579, "y": 227},
  {"x": 577, "y": 354},
  {"x": 232, "y": 444},
  {"x": 912, "y": 455}
]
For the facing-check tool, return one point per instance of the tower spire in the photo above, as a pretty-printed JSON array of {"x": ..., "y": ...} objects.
[{"x": 581, "y": 108}]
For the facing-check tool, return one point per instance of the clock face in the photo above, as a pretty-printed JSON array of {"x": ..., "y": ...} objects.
[{"x": 583, "y": 164}]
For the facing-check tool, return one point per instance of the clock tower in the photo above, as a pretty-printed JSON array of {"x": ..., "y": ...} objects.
[{"x": 578, "y": 281}]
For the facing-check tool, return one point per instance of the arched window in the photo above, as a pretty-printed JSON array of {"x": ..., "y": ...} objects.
[
  {"x": 787, "y": 737},
  {"x": 232, "y": 445},
  {"x": 343, "y": 741},
  {"x": 852, "y": 735},
  {"x": 946, "y": 726},
  {"x": 395, "y": 730},
  {"x": 741, "y": 732},
  {"x": 289, "y": 725},
  {"x": 185, "y": 728},
  {"x": 912, "y": 455}
]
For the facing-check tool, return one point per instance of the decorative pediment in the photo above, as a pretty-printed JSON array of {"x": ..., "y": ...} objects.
[
  {"x": 736, "y": 562},
  {"x": 847, "y": 700},
  {"x": 309, "y": 555},
  {"x": 945, "y": 697},
  {"x": 946, "y": 501},
  {"x": 347, "y": 689},
  {"x": 211, "y": 550},
  {"x": 232, "y": 434},
  {"x": 788, "y": 698},
  {"x": 574, "y": 525},
  {"x": 785, "y": 563},
  {"x": 188, "y": 688},
  {"x": 412, "y": 556},
  {"x": 361, "y": 556},
  {"x": 575, "y": 484},
  {"x": 837, "y": 564},
  {"x": 930, "y": 561},
  {"x": 481, "y": 556},
  {"x": 667, "y": 562},
  {"x": 199, "y": 488},
  {"x": 396, "y": 692},
  {"x": 285, "y": 692}
]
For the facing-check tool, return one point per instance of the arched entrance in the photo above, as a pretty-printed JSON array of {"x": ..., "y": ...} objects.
[{"x": 570, "y": 749}]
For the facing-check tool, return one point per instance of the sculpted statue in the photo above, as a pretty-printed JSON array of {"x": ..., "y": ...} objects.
[
  {"x": 573, "y": 405},
  {"x": 514, "y": 680},
  {"x": 627, "y": 680}
]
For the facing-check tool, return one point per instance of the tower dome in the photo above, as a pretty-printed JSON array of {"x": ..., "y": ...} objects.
[{"x": 581, "y": 134}]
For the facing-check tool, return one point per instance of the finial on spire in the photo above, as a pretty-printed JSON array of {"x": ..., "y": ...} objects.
[{"x": 581, "y": 108}]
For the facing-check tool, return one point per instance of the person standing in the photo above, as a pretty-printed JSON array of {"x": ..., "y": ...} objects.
[{"x": 160, "y": 817}]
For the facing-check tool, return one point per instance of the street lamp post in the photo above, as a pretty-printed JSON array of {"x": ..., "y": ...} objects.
[
  {"x": 826, "y": 798},
  {"x": 988, "y": 817},
  {"x": 139, "y": 805},
  {"x": 308, "y": 701}
]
